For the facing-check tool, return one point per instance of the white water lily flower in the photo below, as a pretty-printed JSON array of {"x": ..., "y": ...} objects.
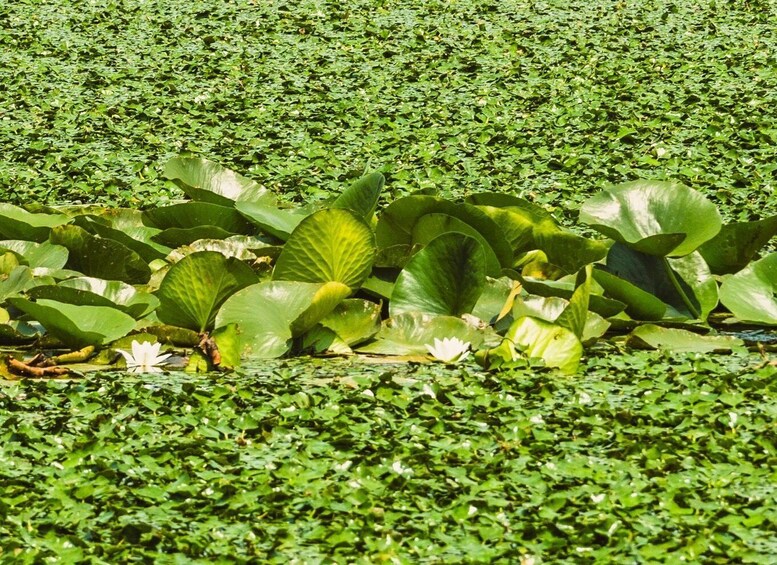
[
  {"x": 449, "y": 350},
  {"x": 144, "y": 357}
]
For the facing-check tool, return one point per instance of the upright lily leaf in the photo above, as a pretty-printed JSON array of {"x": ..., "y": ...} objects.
[
  {"x": 354, "y": 320},
  {"x": 602, "y": 305},
  {"x": 736, "y": 245},
  {"x": 446, "y": 277},
  {"x": 575, "y": 314},
  {"x": 555, "y": 345},
  {"x": 207, "y": 181},
  {"x": 396, "y": 225},
  {"x": 751, "y": 294},
  {"x": 18, "y": 223},
  {"x": 77, "y": 326},
  {"x": 18, "y": 280},
  {"x": 100, "y": 257},
  {"x": 529, "y": 227},
  {"x": 196, "y": 215},
  {"x": 685, "y": 283},
  {"x": 276, "y": 222},
  {"x": 550, "y": 308},
  {"x": 98, "y": 292},
  {"x": 135, "y": 237},
  {"x": 411, "y": 332},
  {"x": 653, "y": 217},
  {"x": 176, "y": 237},
  {"x": 195, "y": 287},
  {"x": 265, "y": 313},
  {"x": 323, "y": 302},
  {"x": 362, "y": 197},
  {"x": 44, "y": 254},
  {"x": 434, "y": 225},
  {"x": 640, "y": 304},
  {"x": 329, "y": 245}
]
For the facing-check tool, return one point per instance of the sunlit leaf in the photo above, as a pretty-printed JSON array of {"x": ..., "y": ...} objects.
[
  {"x": 329, "y": 245},
  {"x": 446, "y": 278},
  {"x": 653, "y": 217},
  {"x": 195, "y": 287},
  {"x": 751, "y": 294}
]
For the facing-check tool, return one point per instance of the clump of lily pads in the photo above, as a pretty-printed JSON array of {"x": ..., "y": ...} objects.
[{"x": 232, "y": 274}]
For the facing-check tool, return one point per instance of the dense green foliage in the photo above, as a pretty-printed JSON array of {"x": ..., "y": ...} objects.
[
  {"x": 550, "y": 100},
  {"x": 646, "y": 458},
  {"x": 640, "y": 457}
]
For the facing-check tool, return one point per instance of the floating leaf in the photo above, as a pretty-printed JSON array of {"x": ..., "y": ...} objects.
[
  {"x": 653, "y": 217},
  {"x": 362, "y": 197},
  {"x": 77, "y": 326},
  {"x": 207, "y": 181},
  {"x": 751, "y": 294},
  {"x": 18, "y": 223},
  {"x": 195, "y": 287},
  {"x": 329, "y": 245},
  {"x": 674, "y": 339},
  {"x": 736, "y": 245},
  {"x": 446, "y": 277},
  {"x": 100, "y": 257}
]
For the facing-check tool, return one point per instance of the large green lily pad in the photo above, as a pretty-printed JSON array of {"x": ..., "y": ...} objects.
[
  {"x": 653, "y": 217},
  {"x": 446, "y": 278},
  {"x": 195, "y": 287},
  {"x": 751, "y": 294},
  {"x": 100, "y": 257},
  {"x": 329, "y": 245},
  {"x": 207, "y": 181},
  {"x": 77, "y": 326}
]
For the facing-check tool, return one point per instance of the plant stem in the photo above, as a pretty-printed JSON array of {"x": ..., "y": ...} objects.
[{"x": 676, "y": 284}]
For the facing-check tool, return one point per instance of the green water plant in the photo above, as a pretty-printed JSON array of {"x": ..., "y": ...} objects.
[{"x": 252, "y": 278}]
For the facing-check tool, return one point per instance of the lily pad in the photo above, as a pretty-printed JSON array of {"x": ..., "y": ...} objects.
[
  {"x": 18, "y": 223},
  {"x": 138, "y": 238},
  {"x": 207, "y": 181},
  {"x": 556, "y": 346},
  {"x": 736, "y": 244},
  {"x": 265, "y": 313},
  {"x": 397, "y": 224},
  {"x": 751, "y": 294},
  {"x": 44, "y": 254},
  {"x": 529, "y": 227},
  {"x": 100, "y": 257},
  {"x": 446, "y": 278},
  {"x": 329, "y": 245},
  {"x": 77, "y": 326},
  {"x": 277, "y": 222},
  {"x": 653, "y": 217},
  {"x": 99, "y": 292},
  {"x": 191, "y": 215},
  {"x": 650, "y": 336},
  {"x": 195, "y": 287},
  {"x": 354, "y": 320}
]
